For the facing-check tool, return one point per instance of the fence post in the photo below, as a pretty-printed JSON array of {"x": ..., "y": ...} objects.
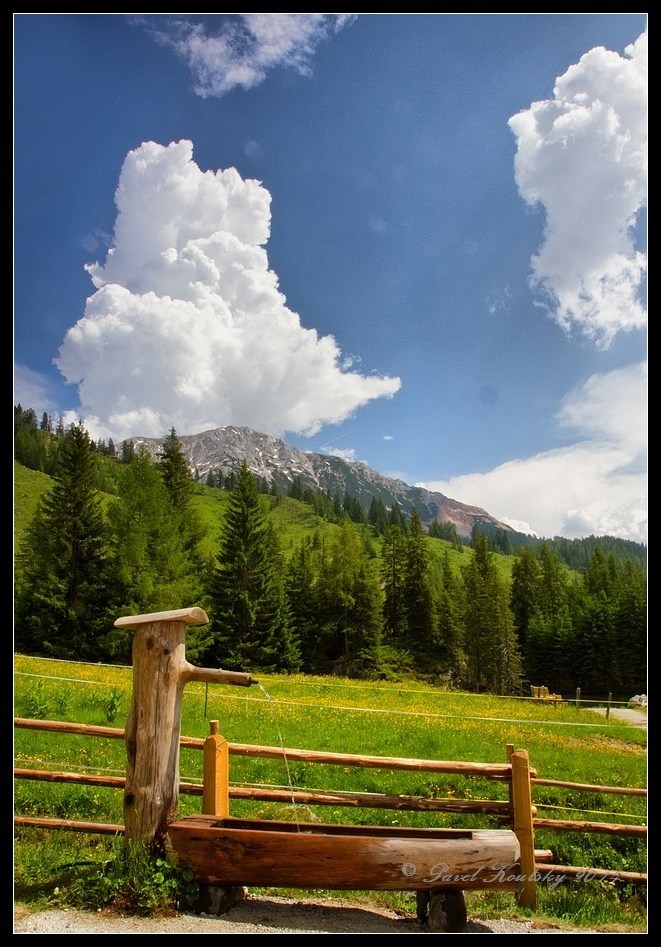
[
  {"x": 578, "y": 696},
  {"x": 523, "y": 826},
  {"x": 153, "y": 727},
  {"x": 215, "y": 788},
  {"x": 608, "y": 704},
  {"x": 509, "y": 749}
]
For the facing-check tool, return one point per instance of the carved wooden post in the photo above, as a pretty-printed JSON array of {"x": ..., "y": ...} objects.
[
  {"x": 523, "y": 826},
  {"x": 215, "y": 788},
  {"x": 153, "y": 727}
]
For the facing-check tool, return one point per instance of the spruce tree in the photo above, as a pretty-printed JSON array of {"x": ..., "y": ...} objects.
[
  {"x": 630, "y": 620},
  {"x": 180, "y": 485},
  {"x": 301, "y": 581},
  {"x": 156, "y": 571},
  {"x": 419, "y": 602},
  {"x": 551, "y": 647},
  {"x": 450, "y": 625},
  {"x": 176, "y": 475},
  {"x": 491, "y": 649},
  {"x": 393, "y": 566},
  {"x": 65, "y": 587},
  {"x": 249, "y": 624},
  {"x": 523, "y": 597},
  {"x": 348, "y": 601}
]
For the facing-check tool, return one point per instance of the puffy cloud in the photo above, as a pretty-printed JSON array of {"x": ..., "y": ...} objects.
[
  {"x": 246, "y": 47},
  {"x": 597, "y": 486},
  {"x": 583, "y": 156},
  {"x": 187, "y": 327},
  {"x": 348, "y": 454}
]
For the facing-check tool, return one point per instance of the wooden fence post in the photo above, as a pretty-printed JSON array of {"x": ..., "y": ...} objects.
[
  {"x": 578, "y": 697},
  {"x": 523, "y": 826},
  {"x": 215, "y": 788},
  {"x": 509, "y": 749},
  {"x": 153, "y": 727}
]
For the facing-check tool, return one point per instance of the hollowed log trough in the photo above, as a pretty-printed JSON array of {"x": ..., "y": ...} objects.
[{"x": 439, "y": 864}]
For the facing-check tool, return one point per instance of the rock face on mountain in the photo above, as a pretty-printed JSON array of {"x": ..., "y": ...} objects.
[{"x": 279, "y": 464}]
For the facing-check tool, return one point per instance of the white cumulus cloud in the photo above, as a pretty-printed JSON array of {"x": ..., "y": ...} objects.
[
  {"x": 582, "y": 156},
  {"x": 187, "y": 327},
  {"x": 596, "y": 486}
]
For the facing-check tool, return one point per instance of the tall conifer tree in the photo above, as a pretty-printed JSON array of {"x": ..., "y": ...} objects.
[
  {"x": 249, "y": 626},
  {"x": 66, "y": 587}
]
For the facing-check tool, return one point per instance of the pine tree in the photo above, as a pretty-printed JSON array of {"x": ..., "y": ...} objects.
[
  {"x": 374, "y": 658},
  {"x": 552, "y": 589},
  {"x": 378, "y": 516},
  {"x": 630, "y": 622},
  {"x": 393, "y": 572},
  {"x": 156, "y": 571},
  {"x": 302, "y": 597},
  {"x": 450, "y": 625},
  {"x": 66, "y": 589},
  {"x": 348, "y": 600},
  {"x": 249, "y": 625},
  {"x": 179, "y": 484},
  {"x": 523, "y": 598},
  {"x": 176, "y": 475},
  {"x": 552, "y": 649},
  {"x": 419, "y": 605},
  {"x": 481, "y": 617},
  {"x": 278, "y": 615},
  {"x": 509, "y": 664}
]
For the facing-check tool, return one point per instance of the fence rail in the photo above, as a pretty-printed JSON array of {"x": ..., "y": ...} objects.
[
  {"x": 503, "y": 810},
  {"x": 153, "y": 741}
]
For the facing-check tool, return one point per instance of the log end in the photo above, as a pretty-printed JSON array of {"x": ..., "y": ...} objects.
[{"x": 188, "y": 616}]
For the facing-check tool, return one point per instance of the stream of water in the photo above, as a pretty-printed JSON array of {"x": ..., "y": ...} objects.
[{"x": 274, "y": 715}]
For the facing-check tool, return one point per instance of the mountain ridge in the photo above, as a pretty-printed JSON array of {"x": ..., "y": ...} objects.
[{"x": 279, "y": 464}]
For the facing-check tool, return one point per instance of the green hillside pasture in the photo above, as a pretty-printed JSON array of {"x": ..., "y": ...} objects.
[
  {"x": 210, "y": 505},
  {"x": 294, "y": 521},
  {"x": 348, "y": 717},
  {"x": 29, "y": 487}
]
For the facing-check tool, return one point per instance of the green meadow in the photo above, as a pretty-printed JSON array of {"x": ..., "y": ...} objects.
[{"x": 411, "y": 720}]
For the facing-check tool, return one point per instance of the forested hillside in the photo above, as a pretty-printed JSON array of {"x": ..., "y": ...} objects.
[{"x": 309, "y": 584}]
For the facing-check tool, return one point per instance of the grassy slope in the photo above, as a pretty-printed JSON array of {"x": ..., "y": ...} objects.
[
  {"x": 381, "y": 719},
  {"x": 294, "y": 520},
  {"x": 29, "y": 487}
]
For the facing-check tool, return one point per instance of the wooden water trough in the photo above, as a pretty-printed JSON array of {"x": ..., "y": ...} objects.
[
  {"x": 268, "y": 853},
  {"x": 227, "y": 853},
  {"x": 438, "y": 864}
]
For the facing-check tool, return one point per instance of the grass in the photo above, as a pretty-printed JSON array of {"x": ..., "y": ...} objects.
[
  {"x": 29, "y": 487},
  {"x": 381, "y": 719}
]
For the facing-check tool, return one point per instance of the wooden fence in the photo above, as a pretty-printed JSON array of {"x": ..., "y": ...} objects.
[
  {"x": 217, "y": 789},
  {"x": 158, "y": 655}
]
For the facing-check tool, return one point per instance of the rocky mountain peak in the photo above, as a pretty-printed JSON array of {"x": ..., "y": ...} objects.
[{"x": 279, "y": 464}]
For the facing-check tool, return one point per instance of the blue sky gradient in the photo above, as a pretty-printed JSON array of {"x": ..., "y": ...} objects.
[{"x": 414, "y": 240}]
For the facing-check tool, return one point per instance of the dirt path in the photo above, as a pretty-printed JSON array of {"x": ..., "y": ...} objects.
[
  {"x": 628, "y": 714},
  {"x": 262, "y": 915}
]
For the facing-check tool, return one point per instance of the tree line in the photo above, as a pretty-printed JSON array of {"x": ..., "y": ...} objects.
[{"x": 359, "y": 601}]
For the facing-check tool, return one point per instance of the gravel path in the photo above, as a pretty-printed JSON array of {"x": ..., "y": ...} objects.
[
  {"x": 263, "y": 915},
  {"x": 628, "y": 714}
]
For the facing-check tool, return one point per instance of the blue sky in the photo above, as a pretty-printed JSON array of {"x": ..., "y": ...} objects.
[{"x": 414, "y": 240}]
